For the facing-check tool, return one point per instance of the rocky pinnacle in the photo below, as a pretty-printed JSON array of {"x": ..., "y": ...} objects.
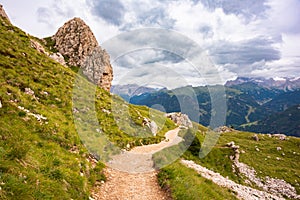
[{"x": 77, "y": 43}]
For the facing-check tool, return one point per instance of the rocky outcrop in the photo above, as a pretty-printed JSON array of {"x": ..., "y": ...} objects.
[
  {"x": 58, "y": 58},
  {"x": 3, "y": 13},
  {"x": 151, "y": 125},
  {"x": 77, "y": 43},
  {"x": 75, "y": 40},
  {"x": 40, "y": 48},
  {"x": 36, "y": 45},
  {"x": 274, "y": 186},
  {"x": 224, "y": 129},
  {"x": 242, "y": 192},
  {"x": 180, "y": 119},
  {"x": 97, "y": 68}
]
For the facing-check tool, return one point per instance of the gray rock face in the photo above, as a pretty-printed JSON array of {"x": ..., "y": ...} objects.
[
  {"x": 98, "y": 69},
  {"x": 3, "y": 13},
  {"x": 76, "y": 42}
]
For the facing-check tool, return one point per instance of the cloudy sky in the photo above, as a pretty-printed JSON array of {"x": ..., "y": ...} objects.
[{"x": 153, "y": 41}]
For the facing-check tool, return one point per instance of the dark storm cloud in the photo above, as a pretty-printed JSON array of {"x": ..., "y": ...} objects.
[
  {"x": 245, "y": 52},
  {"x": 111, "y": 11}
]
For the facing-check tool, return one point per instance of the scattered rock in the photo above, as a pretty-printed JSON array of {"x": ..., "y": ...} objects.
[
  {"x": 44, "y": 93},
  {"x": 74, "y": 149},
  {"x": 230, "y": 144},
  {"x": 106, "y": 111},
  {"x": 0, "y": 104},
  {"x": 243, "y": 192},
  {"x": 278, "y": 148},
  {"x": 277, "y": 158},
  {"x": 58, "y": 58},
  {"x": 39, "y": 117},
  {"x": 272, "y": 185},
  {"x": 180, "y": 119},
  {"x": 29, "y": 91},
  {"x": 75, "y": 110},
  {"x": 257, "y": 149},
  {"x": 36, "y": 45},
  {"x": 255, "y": 137},
  {"x": 224, "y": 129},
  {"x": 280, "y": 136},
  {"x": 235, "y": 148}
]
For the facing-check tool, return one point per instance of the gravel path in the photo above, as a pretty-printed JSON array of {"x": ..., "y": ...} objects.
[
  {"x": 139, "y": 159},
  {"x": 130, "y": 175},
  {"x": 127, "y": 186}
]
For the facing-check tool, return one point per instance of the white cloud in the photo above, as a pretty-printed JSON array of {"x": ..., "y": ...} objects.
[{"x": 255, "y": 38}]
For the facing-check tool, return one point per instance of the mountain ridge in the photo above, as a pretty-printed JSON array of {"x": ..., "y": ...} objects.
[{"x": 248, "y": 103}]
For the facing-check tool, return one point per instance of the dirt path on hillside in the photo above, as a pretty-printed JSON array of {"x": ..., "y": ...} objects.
[
  {"x": 131, "y": 176},
  {"x": 127, "y": 186}
]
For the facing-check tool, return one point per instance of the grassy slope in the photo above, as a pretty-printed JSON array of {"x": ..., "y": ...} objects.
[
  {"x": 184, "y": 183},
  {"x": 263, "y": 161},
  {"x": 35, "y": 157}
]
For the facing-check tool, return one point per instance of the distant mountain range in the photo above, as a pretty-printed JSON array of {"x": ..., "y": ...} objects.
[
  {"x": 129, "y": 90},
  {"x": 253, "y": 104},
  {"x": 286, "y": 84}
]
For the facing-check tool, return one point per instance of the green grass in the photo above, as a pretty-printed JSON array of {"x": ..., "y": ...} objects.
[
  {"x": 36, "y": 161},
  {"x": 264, "y": 161},
  {"x": 178, "y": 178},
  {"x": 185, "y": 183}
]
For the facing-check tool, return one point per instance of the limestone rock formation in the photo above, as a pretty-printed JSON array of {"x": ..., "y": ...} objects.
[
  {"x": 180, "y": 119},
  {"x": 76, "y": 42},
  {"x": 3, "y": 13},
  {"x": 97, "y": 68}
]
